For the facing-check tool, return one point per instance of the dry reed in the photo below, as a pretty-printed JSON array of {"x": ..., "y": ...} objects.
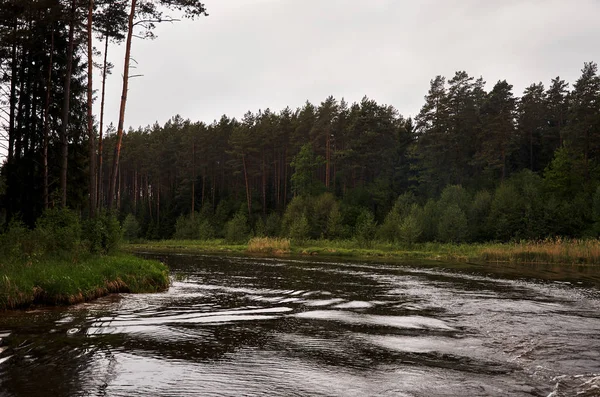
[
  {"x": 269, "y": 245},
  {"x": 557, "y": 250}
]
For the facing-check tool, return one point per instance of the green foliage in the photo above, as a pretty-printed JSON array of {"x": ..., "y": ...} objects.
[
  {"x": 299, "y": 229},
  {"x": 237, "y": 229},
  {"x": 20, "y": 244},
  {"x": 59, "y": 230},
  {"x": 322, "y": 222},
  {"x": 304, "y": 164},
  {"x": 102, "y": 234},
  {"x": 335, "y": 228},
  {"x": 298, "y": 207},
  {"x": 429, "y": 221},
  {"x": 453, "y": 226},
  {"x": 186, "y": 228},
  {"x": 131, "y": 228},
  {"x": 565, "y": 174},
  {"x": 478, "y": 216},
  {"x": 273, "y": 225},
  {"x": 410, "y": 228},
  {"x": 365, "y": 229},
  {"x": 390, "y": 228},
  {"x": 455, "y": 194},
  {"x": 260, "y": 228},
  {"x": 506, "y": 218}
]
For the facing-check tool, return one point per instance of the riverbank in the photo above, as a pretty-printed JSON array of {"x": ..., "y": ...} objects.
[
  {"x": 62, "y": 281},
  {"x": 568, "y": 252}
]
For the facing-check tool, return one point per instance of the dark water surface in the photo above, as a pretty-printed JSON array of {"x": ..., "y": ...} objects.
[{"x": 245, "y": 327}]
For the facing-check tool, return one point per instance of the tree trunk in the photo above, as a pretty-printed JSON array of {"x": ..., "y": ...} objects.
[
  {"x": 327, "y": 160},
  {"x": 264, "y": 184},
  {"x": 47, "y": 123},
  {"x": 135, "y": 191},
  {"x": 13, "y": 97},
  {"x": 248, "y": 198},
  {"x": 90, "y": 117},
  {"x": 100, "y": 148},
  {"x": 65, "y": 111},
  {"x": 117, "y": 153},
  {"x": 194, "y": 180}
]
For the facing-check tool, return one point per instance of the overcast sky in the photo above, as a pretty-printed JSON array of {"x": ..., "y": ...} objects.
[{"x": 257, "y": 54}]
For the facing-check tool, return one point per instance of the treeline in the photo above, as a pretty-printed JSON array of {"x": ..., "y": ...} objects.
[
  {"x": 473, "y": 165},
  {"x": 51, "y": 140}
]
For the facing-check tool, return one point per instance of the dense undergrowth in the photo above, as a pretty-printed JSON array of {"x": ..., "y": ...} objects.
[{"x": 65, "y": 261}]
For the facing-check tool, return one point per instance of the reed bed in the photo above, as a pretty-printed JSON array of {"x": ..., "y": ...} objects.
[
  {"x": 269, "y": 245},
  {"x": 565, "y": 251}
]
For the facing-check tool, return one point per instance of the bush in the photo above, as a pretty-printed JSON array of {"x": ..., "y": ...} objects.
[
  {"x": 102, "y": 234},
  {"x": 322, "y": 208},
  {"x": 59, "y": 230},
  {"x": 335, "y": 228},
  {"x": 260, "y": 228},
  {"x": 298, "y": 207},
  {"x": 455, "y": 194},
  {"x": 390, "y": 229},
  {"x": 131, "y": 228},
  {"x": 18, "y": 243},
  {"x": 273, "y": 225},
  {"x": 410, "y": 227},
  {"x": 206, "y": 230},
  {"x": 453, "y": 226},
  {"x": 478, "y": 216},
  {"x": 506, "y": 218},
  {"x": 299, "y": 229},
  {"x": 186, "y": 228},
  {"x": 237, "y": 230},
  {"x": 429, "y": 221},
  {"x": 365, "y": 229}
]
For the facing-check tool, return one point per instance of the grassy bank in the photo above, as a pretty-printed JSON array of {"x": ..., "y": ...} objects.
[
  {"x": 548, "y": 251},
  {"x": 56, "y": 281}
]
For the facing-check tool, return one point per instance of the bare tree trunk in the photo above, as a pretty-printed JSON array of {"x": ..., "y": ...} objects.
[
  {"x": 117, "y": 153},
  {"x": 100, "y": 148},
  {"x": 47, "y": 124},
  {"x": 90, "y": 117},
  {"x": 65, "y": 111}
]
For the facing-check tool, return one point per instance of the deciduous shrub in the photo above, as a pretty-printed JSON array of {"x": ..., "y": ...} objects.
[
  {"x": 365, "y": 229},
  {"x": 237, "y": 230}
]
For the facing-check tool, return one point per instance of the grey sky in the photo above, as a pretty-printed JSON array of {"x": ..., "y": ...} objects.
[{"x": 254, "y": 54}]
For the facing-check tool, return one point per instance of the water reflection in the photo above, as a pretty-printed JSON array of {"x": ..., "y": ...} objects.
[{"x": 243, "y": 326}]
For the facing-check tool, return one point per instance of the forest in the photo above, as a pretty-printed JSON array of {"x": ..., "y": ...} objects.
[{"x": 475, "y": 164}]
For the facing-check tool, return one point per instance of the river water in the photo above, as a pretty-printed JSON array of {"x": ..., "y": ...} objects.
[{"x": 232, "y": 326}]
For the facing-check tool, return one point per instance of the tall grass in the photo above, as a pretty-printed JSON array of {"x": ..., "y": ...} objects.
[
  {"x": 567, "y": 251},
  {"x": 269, "y": 245},
  {"x": 547, "y": 251},
  {"x": 56, "y": 281}
]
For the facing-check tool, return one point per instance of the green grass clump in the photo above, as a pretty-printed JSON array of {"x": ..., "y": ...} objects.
[{"x": 61, "y": 281}]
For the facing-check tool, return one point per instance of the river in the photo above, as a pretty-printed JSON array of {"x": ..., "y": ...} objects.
[{"x": 233, "y": 326}]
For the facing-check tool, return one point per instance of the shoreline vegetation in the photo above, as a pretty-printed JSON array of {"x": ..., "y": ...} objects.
[
  {"x": 59, "y": 281},
  {"x": 550, "y": 251},
  {"x": 65, "y": 260}
]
